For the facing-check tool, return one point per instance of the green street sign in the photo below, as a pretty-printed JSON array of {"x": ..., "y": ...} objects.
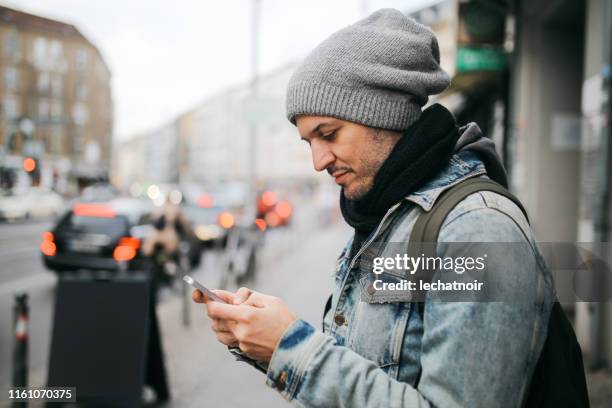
[{"x": 471, "y": 59}]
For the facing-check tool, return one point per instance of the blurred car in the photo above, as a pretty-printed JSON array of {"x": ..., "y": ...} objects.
[
  {"x": 34, "y": 202},
  {"x": 204, "y": 217},
  {"x": 214, "y": 214},
  {"x": 98, "y": 236}
]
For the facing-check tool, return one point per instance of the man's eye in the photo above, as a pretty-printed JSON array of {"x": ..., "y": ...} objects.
[{"x": 329, "y": 137}]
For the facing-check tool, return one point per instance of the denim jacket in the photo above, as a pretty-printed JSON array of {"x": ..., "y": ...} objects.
[{"x": 461, "y": 354}]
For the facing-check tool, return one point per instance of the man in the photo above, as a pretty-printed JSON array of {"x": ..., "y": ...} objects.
[{"x": 357, "y": 101}]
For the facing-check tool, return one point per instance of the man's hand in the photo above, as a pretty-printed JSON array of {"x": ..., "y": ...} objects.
[
  {"x": 221, "y": 328},
  {"x": 255, "y": 325}
]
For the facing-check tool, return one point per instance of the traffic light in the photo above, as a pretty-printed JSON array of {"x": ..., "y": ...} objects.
[{"x": 31, "y": 166}]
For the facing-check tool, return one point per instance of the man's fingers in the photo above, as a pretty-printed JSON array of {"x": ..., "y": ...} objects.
[
  {"x": 242, "y": 295},
  {"x": 258, "y": 300},
  {"x": 222, "y": 325},
  {"x": 229, "y": 297},
  {"x": 237, "y": 313},
  {"x": 227, "y": 338},
  {"x": 197, "y": 296}
]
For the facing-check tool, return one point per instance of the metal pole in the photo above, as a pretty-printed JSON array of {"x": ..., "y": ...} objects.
[
  {"x": 251, "y": 210},
  {"x": 20, "y": 350},
  {"x": 183, "y": 264},
  {"x": 186, "y": 306}
]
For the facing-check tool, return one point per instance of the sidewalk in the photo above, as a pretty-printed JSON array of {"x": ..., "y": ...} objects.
[{"x": 600, "y": 389}]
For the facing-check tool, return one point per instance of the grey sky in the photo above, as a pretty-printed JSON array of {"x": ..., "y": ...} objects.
[{"x": 167, "y": 56}]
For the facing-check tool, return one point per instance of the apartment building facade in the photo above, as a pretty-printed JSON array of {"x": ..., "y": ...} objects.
[{"x": 55, "y": 101}]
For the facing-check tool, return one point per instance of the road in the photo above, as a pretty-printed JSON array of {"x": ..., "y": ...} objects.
[
  {"x": 19, "y": 255},
  {"x": 21, "y": 270}
]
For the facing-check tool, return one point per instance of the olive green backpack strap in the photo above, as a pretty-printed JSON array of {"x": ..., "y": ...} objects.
[{"x": 427, "y": 226}]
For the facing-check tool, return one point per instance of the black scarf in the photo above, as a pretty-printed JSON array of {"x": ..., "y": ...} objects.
[{"x": 422, "y": 151}]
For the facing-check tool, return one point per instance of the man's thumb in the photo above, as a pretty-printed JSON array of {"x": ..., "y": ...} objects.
[
  {"x": 242, "y": 295},
  {"x": 256, "y": 300}
]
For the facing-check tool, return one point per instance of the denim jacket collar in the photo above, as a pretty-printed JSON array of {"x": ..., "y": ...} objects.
[{"x": 462, "y": 166}]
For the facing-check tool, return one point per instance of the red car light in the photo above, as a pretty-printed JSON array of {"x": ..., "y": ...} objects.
[
  {"x": 127, "y": 249},
  {"x": 48, "y": 247},
  {"x": 124, "y": 253},
  {"x": 205, "y": 201},
  {"x": 226, "y": 220},
  {"x": 130, "y": 241},
  {"x": 284, "y": 209},
  {"x": 261, "y": 224},
  {"x": 94, "y": 210},
  {"x": 268, "y": 198}
]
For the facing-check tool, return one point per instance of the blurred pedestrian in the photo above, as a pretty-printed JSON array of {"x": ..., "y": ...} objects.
[
  {"x": 170, "y": 229},
  {"x": 357, "y": 101}
]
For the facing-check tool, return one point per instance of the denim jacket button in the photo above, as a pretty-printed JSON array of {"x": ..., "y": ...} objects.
[
  {"x": 281, "y": 381},
  {"x": 340, "y": 320}
]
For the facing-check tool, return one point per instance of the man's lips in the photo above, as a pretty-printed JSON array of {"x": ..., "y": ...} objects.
[{"x": 339, "y": 175}]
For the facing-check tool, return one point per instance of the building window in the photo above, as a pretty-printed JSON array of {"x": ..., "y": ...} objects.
[
  {"x": 39, "y": 51},
  {"x": 11, "y": 44},
  {"x": 79, "y": 114},
  {"x": 10, "y": 107},
  {"x": 56, "y": 85},
  {"x": 55, "y": 50},
  {"x": 81, "y": 59},
  {"x": 92, "y": 152},
  {"x": 11, "y": 78},
  {"x": 56, "y": 109},
  {"x": 81, "y": 90},
  {"x": 43, "y": 109},
  {"x": 43, "y": 82}
]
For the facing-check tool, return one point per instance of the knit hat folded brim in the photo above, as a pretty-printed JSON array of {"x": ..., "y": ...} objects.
[{"x": 375, "y": 107}]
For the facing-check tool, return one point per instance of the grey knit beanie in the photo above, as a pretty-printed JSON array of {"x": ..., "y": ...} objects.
[{"x": 377, "y": 72}]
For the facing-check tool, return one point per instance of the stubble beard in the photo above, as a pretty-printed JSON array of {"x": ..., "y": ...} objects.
[{"x": 372, "y": 160}]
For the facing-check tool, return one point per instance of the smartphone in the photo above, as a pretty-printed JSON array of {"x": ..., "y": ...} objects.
[{"x": 209, "y": 293}]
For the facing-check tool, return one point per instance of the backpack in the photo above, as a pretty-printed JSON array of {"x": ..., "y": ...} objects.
[{"x": 559, "y": 378}]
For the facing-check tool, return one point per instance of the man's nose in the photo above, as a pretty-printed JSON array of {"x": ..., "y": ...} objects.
[{"x": 322, "y": 156}]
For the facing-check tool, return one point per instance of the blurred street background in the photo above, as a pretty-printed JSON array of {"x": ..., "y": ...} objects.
[{"x": 152, "y": 137}]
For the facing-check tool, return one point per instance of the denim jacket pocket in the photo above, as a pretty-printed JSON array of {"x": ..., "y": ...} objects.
[
  {"x": 377, "y": 331},
  {"x": 383, "y": 288}
]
